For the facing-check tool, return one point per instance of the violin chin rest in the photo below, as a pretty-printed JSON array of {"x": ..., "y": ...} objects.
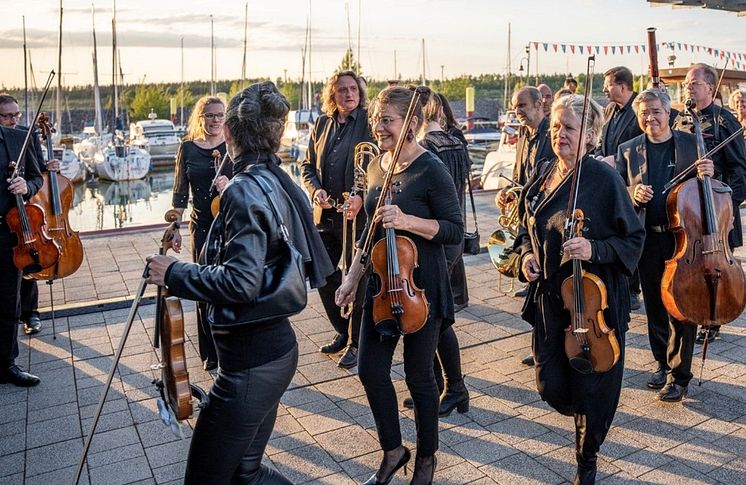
[
  {"x": 581, "y": 364},
  {"x": 388, "y": 328},
  {"x": 32, "y": 268}
]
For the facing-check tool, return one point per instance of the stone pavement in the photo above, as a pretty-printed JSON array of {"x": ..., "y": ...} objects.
[{"x": 325, "y": 432}]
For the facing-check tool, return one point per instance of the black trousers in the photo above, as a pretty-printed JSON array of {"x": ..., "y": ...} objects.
[
  {"x": 374, "y": 369},
  {"x": 10, "y": 299},
  {"x": 331, "y": 235},
  {"x": 231, "y": 434},
  {"x": 671, "y": 341},
  {"x": 29, "y": 299},
  {"x": 591, "y": 399},
  {"x": 204, "y": 336}
]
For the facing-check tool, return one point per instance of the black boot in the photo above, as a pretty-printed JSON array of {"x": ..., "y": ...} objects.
[
  {"x": 456, "y": 397},
  {"x": 424, "y": 470},
  {"x": 388, "y": 468},
  {"x": 585, "y": 476}
]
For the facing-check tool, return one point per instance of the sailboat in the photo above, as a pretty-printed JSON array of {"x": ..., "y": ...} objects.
[{"x": 113, "y": 158}]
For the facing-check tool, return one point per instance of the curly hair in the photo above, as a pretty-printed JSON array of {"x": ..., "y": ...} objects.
[
  {"x": 196, "y": 124},
  {"x": 256, "y": 118},
  {"x": 328, "y": 105},
  {"x": 574, "y": 103}
]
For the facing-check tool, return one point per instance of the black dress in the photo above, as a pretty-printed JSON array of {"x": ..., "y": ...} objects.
[
  {"x": 425, "y": 190},
  {"x": 195, "y": 171},
  {"x": 616, "y": 236}
]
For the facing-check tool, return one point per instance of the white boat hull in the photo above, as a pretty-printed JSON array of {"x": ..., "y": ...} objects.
[
  {"x": 134, "y": 165},
  {"x": 498, "y": 162},
  {"x": 71, "y": 166}
]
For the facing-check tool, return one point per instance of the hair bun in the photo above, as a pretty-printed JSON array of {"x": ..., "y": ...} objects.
[{"x": 274, "y": 105}]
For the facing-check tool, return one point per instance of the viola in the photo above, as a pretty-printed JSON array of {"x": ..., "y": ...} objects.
[
  {"x": 399, "y": 307},
  {"x": 590, "y": 344},
  {"x": 218, "y": 164},
  {"x": 703, "y": 283},
  {"x": 55, "y": 198},
  {"x": 176, "y": 391}
]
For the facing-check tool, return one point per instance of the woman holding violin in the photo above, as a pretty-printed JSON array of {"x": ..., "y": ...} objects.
[
  {"x": 424, "y": 208},
  {"x": 197, "y": 163},
  {"x": 257, "y": 359},
  {"x": 608, "y": 249}
]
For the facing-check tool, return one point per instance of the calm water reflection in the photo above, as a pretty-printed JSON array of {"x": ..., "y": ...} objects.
[{"x": 111, "y": 205}]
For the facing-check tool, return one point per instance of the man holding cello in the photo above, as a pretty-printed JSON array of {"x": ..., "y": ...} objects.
[
  {"x": 647, "y": 162},
  {"x": 11, "y": 142}
]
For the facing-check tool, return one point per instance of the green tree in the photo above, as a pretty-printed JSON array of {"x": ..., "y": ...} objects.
[
  {"x": 147, "y": 98},
  {"x": 349, "y": 63}
]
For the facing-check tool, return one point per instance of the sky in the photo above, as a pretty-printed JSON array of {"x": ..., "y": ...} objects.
[{"x": 460, "y": 37}]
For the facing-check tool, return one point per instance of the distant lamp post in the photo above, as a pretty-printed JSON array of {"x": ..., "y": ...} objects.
[
  {"x": 442, "y": 73},
  {"x": 521, "y": 69}
]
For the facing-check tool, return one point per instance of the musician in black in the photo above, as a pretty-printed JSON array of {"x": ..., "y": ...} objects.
[
  {"x": 328, "y": 172},
  {"x": 425, "y": 209},
  {"x": 257, "y": 360},
  {"x": 11, "y": 142},
  {"x": 730, "y": 162},
  {"x": 9, "y": 117},
  {"x": 647, "y": 163},
  {"x": 609, "y": 248},
  {"x": 195, "y": 171}
]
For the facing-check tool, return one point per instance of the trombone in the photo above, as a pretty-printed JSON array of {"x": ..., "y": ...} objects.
[{"x": 363, "y": 154}]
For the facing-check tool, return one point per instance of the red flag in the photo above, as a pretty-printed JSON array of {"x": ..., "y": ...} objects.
[
  {"x": 572, "y": 48},
  {"x": 554, "y": 46},
  {"x": 606, "y": 49}
]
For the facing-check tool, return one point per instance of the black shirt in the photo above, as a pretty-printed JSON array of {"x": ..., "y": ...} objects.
[
  {"x": 194, "y": 172},
  {"x": 335, "y": 156},
  {"x": 661, "y": 163}
]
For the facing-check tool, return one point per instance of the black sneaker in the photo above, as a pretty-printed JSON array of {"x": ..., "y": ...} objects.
[
  {"x": 32, "y": 326},
  {"x": 702, "y": 334},
  {"x": 634, "y": 301}
]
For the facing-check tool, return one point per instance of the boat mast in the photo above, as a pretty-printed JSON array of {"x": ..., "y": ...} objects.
[
  {"x": 181, "y": 93},
  {"x": 507, "y": 74},
  {"x": 359, "y": 15},
  {"x": 212, "y": 58},
  {"x": 58, "y": 98},
  {"x": 25, "y": 72},
  {"x": 96, "y": 93},
  {"x": 114, "y": 65},
  {"x": 310, "y": 78},
  {"x": 424, "y": 80},
  {"x": 245, "y": 36}
]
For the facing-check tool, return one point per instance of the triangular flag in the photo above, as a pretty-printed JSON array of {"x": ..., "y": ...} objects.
[
  {"x": 613, "y": 49},
  {"x": 644, "y": 48},
  {"x": 637, "y": 49},
  {"x": 546, "y": 46},
  {"x": 580, "y": 47},
  {"x": 564, "y": 48},
  {"x": 536, "y": 46},
  {"x": 678, "y": 45},
  {"x": 598, "y": 49},
  {"x": 572, "y": 48},
  {"x": 606, "y": 49},
  {"x": 554, "y": 46}
]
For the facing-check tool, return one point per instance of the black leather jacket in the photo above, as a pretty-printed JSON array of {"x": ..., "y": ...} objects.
[{"x": 242, "y": 239}]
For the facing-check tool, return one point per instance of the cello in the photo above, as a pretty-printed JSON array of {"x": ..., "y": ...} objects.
[
  {"x": 703, "y": 283},
  {"x": 35, "y": 250},
  {"x": 399, "y": 307},
  {"x": 56, "y": 197}
]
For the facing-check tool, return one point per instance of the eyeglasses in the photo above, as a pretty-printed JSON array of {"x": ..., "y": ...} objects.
[
  {"x": 9, "y": 116},
  {"x": 693, "y": 83},
  {"x": 213, "y": 116},
  {"x": 384, "y": 120}
]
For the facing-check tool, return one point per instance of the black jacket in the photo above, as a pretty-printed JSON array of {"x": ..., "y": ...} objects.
[
  {"x": 625, "y": 129},
  {"x": 632, "y": 162},
  {"x": 312, "y": 168},
  {"x": 251, "y": 237},
  {"x": 524, "y": 168},
  {"x": 12, "y": 143}
]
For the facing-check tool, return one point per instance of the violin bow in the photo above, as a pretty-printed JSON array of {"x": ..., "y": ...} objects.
[
  {"x": 390, "y": 173},
  {"x": 22, "y": 155}
]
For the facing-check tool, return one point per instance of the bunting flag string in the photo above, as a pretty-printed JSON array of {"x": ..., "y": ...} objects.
[{"x": 739, "y": 58}]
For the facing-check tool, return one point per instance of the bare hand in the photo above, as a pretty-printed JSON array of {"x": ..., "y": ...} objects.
[
  {"x": 17, "y": 186},
  {"x": 530, "y": 267},
  {"x": 321, "y": 199},
  {"x": 345, "y": 293},
  {"x": 578, "y": 248},
  {"x": 643, "y": 193},
  {"x": 157, "y": 267},
  {"x": 355, "y": 203},
  {"x": 176, "y": 241},
  {"x": 502, "y": 198},
  {"x": 220, "y": 183},
  {"x": 53, "y": 165},
  {"x": 391, "y": 217},
  {"x": 705, "y": 167}
]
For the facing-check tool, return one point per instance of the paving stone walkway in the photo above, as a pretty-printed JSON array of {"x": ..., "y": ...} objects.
[{"x": 325, "y": 432}]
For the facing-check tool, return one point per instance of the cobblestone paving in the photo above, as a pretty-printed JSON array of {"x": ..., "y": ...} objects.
[{"x": 325, "y": 432}]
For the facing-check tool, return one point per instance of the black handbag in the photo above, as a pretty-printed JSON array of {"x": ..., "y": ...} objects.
[
  {"x": 471, "y": 239},
  {"x": 283, "y": 292}
]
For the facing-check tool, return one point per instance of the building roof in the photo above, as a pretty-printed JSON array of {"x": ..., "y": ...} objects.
[{"x": 738, "y": 6}]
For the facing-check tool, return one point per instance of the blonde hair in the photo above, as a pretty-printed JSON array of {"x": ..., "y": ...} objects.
[
  {"x": 574, "y": 103},
  {"x": 196, "y": 125},
  {"x": 327, "y": 95},
  {"x": 734, "y": 97}
]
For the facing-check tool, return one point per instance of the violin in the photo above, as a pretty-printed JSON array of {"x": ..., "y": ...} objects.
[
  {"x": 590, "y": 344},
  {"x": 56, "y": 197},
  {"x": 218, "y": 164},
  {"x": 35, "y": 250},
  {"x": 399, "y": 307},
  {"x": 176, "y": 391},
  {"x": 703, "y": 283}
]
